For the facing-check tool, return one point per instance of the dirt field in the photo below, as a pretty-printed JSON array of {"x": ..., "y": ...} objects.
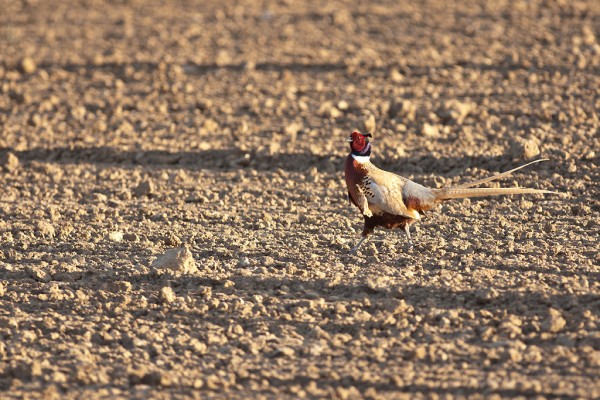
[{"x": 130, "y": 128}]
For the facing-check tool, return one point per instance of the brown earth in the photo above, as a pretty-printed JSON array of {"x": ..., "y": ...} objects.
[{"x": 129, "y": 128}]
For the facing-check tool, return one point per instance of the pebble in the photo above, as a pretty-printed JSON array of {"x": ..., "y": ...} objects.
[
  {"x": 343, "y": 105},
  {"x": 27, "y": 65}
]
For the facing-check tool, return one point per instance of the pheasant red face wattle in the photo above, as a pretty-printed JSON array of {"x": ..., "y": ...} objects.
[{"x": 358, "y": 141}]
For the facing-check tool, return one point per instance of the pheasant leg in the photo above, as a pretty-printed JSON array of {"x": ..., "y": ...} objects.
[
  {"x": 355, "y": 248},
  {"x": 407, "y": 230}
]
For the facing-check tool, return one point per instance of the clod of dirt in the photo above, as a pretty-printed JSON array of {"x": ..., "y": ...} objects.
[
  {"x": 244, "y": 262},
  {"x": 402, "y": 108},
  {"x": 292, "y": 130},
  {"x": 45, "y": 229},
  {"x": 167, "y": 294},
  {"x": 329, "y": 110},
  {"x": 454, "y": 111},
  {"x": 9, "y": 162},
  {"x": 131, "y": 237},
  {"x": 525, "y": 148},
  {"x": 530, "y": 149},
  {"x": 395, "y": 76},
  {"x": 27, "y": 66},
  {"x": 39, "y": 274},
  {"x": 179, "y": 260},
  {"x": 369, "y": 124},
  {"x": 145, "y": 188},
  {"x": 554, "y": 322},
  {"x": 26, "y": 370},
  {"x": 115, "y": 236},
  {"x": 429, "y": 130}
]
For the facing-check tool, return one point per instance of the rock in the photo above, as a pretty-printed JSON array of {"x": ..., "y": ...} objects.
[
  {"x": 178, "y": 260},
  {"x": 27, "y": 66},
  {"x": 9, "y": 162},
  {"x": 554, "y": 322},
  {"x": 145, "y": 188},
  {"x": 167, "y": 294}
]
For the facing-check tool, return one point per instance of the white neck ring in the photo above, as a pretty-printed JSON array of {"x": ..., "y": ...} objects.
[{"x": 361, "y": 159}]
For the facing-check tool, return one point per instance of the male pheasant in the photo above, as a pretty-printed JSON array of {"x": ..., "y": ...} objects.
[{"x": 391, "y": 201}]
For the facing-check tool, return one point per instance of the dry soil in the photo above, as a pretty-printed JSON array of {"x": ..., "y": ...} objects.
[{"x": 132, "y": 128}]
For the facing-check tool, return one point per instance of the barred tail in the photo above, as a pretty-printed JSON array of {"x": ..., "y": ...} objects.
[
  {"x": 497, "y": 176},
  {"x": 461, "y": 193}
]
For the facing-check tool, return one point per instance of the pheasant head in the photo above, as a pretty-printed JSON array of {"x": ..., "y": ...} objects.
[{"x": 360, "y": 146}]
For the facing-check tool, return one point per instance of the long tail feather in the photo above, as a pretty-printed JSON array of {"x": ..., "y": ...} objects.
[
  {"x": 461, "y": 192},
  {"x": 497, "y": 176}
]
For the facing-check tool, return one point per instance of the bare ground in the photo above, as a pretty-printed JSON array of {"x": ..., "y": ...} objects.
[{"x": 129, "y": 128}]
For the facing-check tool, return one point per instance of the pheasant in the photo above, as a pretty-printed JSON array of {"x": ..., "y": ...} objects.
[{"x": 391, "y": 201}]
